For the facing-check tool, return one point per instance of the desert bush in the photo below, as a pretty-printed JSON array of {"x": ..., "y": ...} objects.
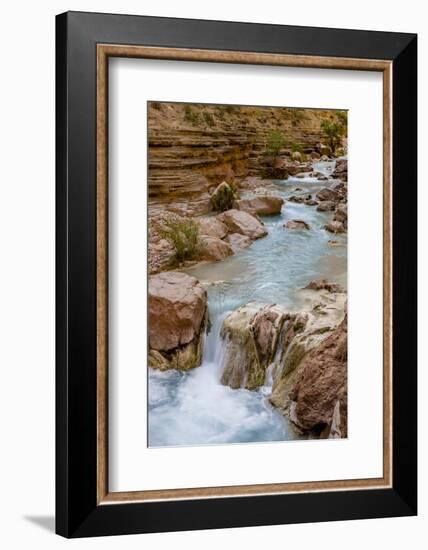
[
  {"x": 342, "y": 119},
  {"x": 183, "y": 234},
  {"x": 155, "y": 105},
  {"x": 274, "y": 143},
  {"x": 334, "y": 130},
  {"x": 297, "y": 148},
  {"x": 223, "y": 197}
]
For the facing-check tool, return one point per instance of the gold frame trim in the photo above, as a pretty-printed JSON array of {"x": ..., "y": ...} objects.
[{"x": 104, "y": 51}]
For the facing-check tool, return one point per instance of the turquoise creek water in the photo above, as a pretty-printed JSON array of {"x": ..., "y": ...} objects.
[{"x": 193, "y": 408}]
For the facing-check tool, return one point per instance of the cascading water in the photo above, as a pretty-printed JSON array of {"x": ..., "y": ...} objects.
[{"x": 193, "y": 408}]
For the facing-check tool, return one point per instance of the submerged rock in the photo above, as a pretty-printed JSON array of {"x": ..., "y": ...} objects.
[
  {"x": 311, "y": 202},
  {"x": 300, "y": 198},
  {"x": 296, "y": 198},
  {"x": 241, "y": 222},
  {"x": 297, "y": 224},
  {"x": 323, "y": 284},
  {"x": 177, "y": 317},
  {"x": 326, "y": 206},
  {"x": 335, "y": 227},
  {"x": 334, "y": 242},
  {"x": 327, "y": 194}
]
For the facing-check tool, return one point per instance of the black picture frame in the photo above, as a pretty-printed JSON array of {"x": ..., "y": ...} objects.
[{"x": 77, "y": 511}]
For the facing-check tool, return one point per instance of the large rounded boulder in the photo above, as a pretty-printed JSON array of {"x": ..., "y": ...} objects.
[
  {"x": 265, "y": 205},
  {"x": 241, "y": 222},
  {"x": 177, "y": 318},
  {"x": 212, "y": 227},
  {"x": 215, "y": 250}
]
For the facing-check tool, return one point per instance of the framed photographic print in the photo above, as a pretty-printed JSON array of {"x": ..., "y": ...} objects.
[{"x": 236, "y": 274}]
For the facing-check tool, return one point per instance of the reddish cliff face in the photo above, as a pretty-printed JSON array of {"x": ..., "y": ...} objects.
[{"x": 193, "y": 148}]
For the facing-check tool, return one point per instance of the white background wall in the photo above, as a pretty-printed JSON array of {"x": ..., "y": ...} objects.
[{"x": 27, "y": 271}]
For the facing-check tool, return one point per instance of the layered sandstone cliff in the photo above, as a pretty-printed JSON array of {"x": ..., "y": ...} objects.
[{"x": 193, "y": 148}]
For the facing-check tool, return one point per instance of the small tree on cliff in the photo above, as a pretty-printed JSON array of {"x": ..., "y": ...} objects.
[
  {"x": 274, "y": 143},
  {"x": 335, "y": 130},
  {"x": 182, "y": 234}
]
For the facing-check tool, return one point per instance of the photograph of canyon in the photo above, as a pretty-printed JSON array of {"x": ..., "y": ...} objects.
[{"x": 247, "y": 285}]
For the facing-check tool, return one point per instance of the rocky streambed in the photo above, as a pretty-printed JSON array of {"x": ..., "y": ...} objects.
[{"x": 250, "y": 344}]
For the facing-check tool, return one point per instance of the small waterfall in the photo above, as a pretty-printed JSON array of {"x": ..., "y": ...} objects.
[
  {"x": 278, "y": 358},
  {"x": 215, "y": 347}
]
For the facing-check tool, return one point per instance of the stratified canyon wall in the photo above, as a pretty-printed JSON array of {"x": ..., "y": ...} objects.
[{"x": 193, "y": 148}]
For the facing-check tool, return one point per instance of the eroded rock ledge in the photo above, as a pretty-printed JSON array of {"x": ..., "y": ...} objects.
[{"x": 304, "y": 352}]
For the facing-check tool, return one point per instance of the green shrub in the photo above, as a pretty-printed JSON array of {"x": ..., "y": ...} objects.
[
  {"x": 274, "y": 143},
  {"x": 297, "y": 148},
  {"x": 223, "y": 197},
  {"x": 334, "y": 130},
  {"x": 183, "y": 234},
  {"x": 342, "y": 119}
]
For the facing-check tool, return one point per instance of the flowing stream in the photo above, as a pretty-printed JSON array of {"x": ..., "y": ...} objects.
[{"x": 193, "y": 408}]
